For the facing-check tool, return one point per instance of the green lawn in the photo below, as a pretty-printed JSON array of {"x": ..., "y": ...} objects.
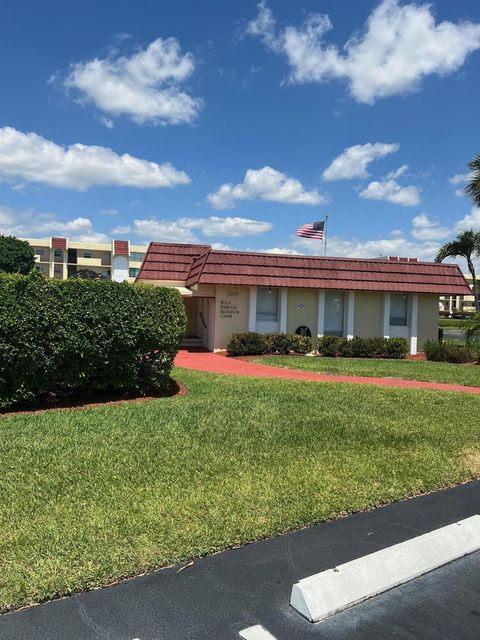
[
  {"x": 466, "y": 374},
  {"x": 453, "y": 323},
  {"x": 92, "y": 495}
]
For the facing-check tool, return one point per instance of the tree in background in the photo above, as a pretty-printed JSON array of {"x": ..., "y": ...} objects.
[
  {"x": 88, "y": 274},
  {"x": 16, "y": 256},
  {"x": 466, "y": 245},
  {"x": 473, "y": 186}
]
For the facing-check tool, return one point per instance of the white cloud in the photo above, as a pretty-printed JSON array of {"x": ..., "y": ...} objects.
[
  {"x": 121, "y": 230},
  {"x": 398, "y": 173},
  {"x": 109, "y": 212},
  {"x": 162, "y": 231},
  {"x": 353, "y": 161},
  {"x": 182, "y": 229},
  {"x": 28, "y": 223},
  {"x": 232, "y": 227},
  {"x": 423, "y": 228},
  {"x": 220, "y": 246},
  {"x": 264, "y": 184},
  {"x": 358, "y": 248},
  {"x": 391, "y": 191},
  {"x": 30, "y": 157},
  {"x": 398, "y": 47},
  {"x": 107, "y": 122},
  {"x": 145, "y": 86},
  {"x": 470, "y": 221},
  {"x": 462, "y": 179},
  {"x": 283, "y": 250}
]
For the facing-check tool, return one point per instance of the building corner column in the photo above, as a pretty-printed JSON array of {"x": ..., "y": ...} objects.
[
  {"x": 350, "y": 315},
  {"x": 414, "y": 325},
  {"x": 386, "y": 315},
  {"x": 252, "y": 309},
  {"x": 321, "y": 313},
  {"x": 283, "y": 309}
]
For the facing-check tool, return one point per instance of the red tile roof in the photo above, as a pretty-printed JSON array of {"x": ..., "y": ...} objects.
[
  {"x": 199, "y": 264},
  {"x": 165, "y": 261}
]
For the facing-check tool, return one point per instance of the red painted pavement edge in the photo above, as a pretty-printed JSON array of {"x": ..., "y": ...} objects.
[{"x": 213, "y": 363}]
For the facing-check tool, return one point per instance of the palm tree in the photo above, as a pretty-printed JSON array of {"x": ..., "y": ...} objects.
[
  {"x": 472, "y": 330},
  {"x": 473, "y": 187},
  {"x": 466, "y": 245}
]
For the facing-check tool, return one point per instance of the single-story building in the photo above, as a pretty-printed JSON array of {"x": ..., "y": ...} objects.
[{"x": 227, "y": 292}]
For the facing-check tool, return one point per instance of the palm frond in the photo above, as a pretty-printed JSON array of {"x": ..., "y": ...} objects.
[{"x": 472, "y": 188}]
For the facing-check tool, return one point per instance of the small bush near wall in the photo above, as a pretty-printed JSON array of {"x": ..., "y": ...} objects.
[
  {"x": 247, "y": 344},
  {"x": 63, "y": 338},
  {"x": 440, "y": 351},
  {"x": 333, "y": 346},
  {"x": 285, "y": 343},
  {"x": 251, "y": 343}
]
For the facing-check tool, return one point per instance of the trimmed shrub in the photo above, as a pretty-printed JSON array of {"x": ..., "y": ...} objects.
[
  {"x": 396, "y": 348},
  {"x": 64, "y": 338},
  {"x": 278, "y": 343},
  {"x": 248, "y": 343},
  {"x": 251, "y": 343},
  {"x": 300, "y": 344},
  {"x": 447, "y": 352},
  {"x": 377, "y": 347},
  {"x": 285, "y": 343},
  {"x": 334, "y": 346}
]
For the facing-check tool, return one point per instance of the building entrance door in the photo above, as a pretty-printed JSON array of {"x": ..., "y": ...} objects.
[{"x": 199, "y": 330}]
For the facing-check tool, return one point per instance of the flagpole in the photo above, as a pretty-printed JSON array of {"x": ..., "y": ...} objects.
[{"x": 325, "y": 236}]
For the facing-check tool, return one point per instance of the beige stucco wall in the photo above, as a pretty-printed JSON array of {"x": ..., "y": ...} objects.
[
  {"x": 302, "y": 305},
  {"x": 204, "y": 291},
  {"x": 427, "y": 319},
  {"x": 231, "y": 313},
  {"x": 368, "y": 320}
]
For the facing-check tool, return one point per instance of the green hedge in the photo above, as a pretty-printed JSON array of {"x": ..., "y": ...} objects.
[
  {"x": 255, "y": 344},
  {"x": 62, "y": 338},
  {"x": 333, "y": 346}
]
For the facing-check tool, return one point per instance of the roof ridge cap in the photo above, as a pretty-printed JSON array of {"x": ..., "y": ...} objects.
[{"x": 189, "y": 281}]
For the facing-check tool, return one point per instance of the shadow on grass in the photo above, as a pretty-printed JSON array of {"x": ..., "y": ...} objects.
[{"x": 95, "y": 400}]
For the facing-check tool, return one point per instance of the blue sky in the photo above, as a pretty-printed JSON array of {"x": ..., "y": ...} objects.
[{"x": 241, "y": 121}]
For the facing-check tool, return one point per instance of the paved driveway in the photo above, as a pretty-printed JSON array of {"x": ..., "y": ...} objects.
[{"x": 214, "y": 363}]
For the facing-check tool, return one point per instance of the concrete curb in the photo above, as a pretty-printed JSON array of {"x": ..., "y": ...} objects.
[{"x": 324, "y": 594}]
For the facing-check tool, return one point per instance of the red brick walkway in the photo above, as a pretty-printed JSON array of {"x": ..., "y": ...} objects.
[{"x": 213, "y": 363}]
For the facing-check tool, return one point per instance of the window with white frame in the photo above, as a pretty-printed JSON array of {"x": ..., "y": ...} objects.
[
  {"x": 398, "y": 310},
  {"x": 267, "y": 308},
  {"x": 334, "y": 313}
]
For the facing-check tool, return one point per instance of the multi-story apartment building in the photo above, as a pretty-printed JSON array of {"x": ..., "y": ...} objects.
[
  {"x": 63, "y": 258},
  {"x": 460, "y": 305}
]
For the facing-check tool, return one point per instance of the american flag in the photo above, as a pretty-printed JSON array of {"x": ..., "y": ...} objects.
[{"x": 312, "y": 230}]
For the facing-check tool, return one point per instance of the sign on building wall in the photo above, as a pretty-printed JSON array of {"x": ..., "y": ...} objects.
[{"x": 229, "y": 307}]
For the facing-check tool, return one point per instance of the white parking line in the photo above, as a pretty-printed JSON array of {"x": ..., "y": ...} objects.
[
  {"x": 256, "y": 632},
  {"x": 324, "y": 594}
]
